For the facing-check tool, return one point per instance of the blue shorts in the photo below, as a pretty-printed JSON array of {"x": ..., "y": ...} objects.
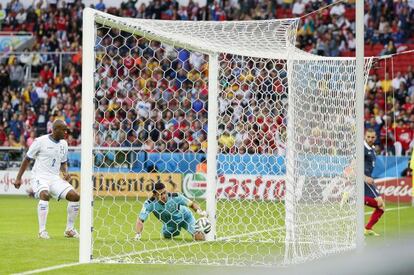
[
  {"x": 371, "y": 190},
  {"x": 173, "y": 229}
]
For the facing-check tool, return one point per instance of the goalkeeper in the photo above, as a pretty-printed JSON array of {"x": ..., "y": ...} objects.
[{"x": 173, "y": 210}]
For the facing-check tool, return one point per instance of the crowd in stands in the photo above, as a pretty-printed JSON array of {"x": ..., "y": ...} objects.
[
  {"x": 389, "y": 110},
  {"x": 162, "y": 96},
  {"x": 160, "y": 103}
]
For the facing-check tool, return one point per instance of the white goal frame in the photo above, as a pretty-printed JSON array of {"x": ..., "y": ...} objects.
[{"x": 88, "y": 67}]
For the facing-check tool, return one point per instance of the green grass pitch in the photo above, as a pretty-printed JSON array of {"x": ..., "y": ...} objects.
[{"x": 21, "y": 250}]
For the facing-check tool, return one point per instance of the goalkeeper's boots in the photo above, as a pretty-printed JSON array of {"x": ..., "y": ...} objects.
[
  {"x": 71, "y": 233},
  {"x": 44, "y": 235},
  {"x": 370, "y": 232}
]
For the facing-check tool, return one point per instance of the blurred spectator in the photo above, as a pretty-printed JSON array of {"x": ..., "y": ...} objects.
[
  {"x": 389, "y": 49},
  {"x": 100, "y": 6},
  {"x": 12, "y": 141},
  {"x": 31, "y": 138},
  {"x": 338, "y": 10},
  {"x": 3, "y": 135},
  {"x": 403, "y": 135},
  {"x": 202, "y": 166},
  {"x": 4, "y": 77},
  {"x": 298, "y": 8},
  {"x": 16, "y": 6},
  {"x": 226, "y": 142},
  {"x": 16, "y": 74},
  {"x": 386, "y": 83},
  {"x": 46, "y": 74},
  {"x": 21, "y": 16}
]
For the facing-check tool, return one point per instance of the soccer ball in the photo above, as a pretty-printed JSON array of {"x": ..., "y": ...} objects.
[{"x": 203, "y": 225}]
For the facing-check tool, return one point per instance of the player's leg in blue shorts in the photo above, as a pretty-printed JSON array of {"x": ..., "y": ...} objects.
[
  {"x": 170, "y": 230},
  {"x": 371, "y": 190}
]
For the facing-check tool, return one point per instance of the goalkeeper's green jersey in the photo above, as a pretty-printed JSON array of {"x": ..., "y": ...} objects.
[{"x": 175, "y": 210}]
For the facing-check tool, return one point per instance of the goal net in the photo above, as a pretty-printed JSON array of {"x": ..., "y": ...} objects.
[{"x": 233, "y": 116}]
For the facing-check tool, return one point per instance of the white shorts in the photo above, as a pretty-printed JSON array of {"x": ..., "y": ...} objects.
[{"x": 56, "y": 186}]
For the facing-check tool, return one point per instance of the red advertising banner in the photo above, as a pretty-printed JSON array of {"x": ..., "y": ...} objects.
[
  {"x": 8, "y": 178},
  {"x": 249, "y": 187},
  {"x": 395, "y": 189}
]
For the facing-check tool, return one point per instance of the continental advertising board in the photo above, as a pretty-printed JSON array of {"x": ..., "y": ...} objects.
[{"x": 104, "y": 184}]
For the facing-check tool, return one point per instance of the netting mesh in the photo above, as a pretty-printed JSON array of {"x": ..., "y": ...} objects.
[
  {"x": 285, "y": 131},
  {"x": 266, "y": 39},
  {"x": 321, "y": 197}
]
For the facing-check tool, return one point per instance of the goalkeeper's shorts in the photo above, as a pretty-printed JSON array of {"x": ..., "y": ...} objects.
[{"x": 173, "y": 229}]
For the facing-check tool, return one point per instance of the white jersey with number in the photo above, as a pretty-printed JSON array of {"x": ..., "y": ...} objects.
[{"x": 48, "y": 154}]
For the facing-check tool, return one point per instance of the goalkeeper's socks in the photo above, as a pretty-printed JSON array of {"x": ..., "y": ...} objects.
[
  {"x": 73, "y": 211},
  {"x": 376, "y": 215},
  {"x": 42, "y": 210}
]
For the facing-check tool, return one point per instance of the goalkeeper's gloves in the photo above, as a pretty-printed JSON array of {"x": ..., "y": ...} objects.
[
  {"x": 137, "y": 237},
  {"x": 201, "y": 213}
]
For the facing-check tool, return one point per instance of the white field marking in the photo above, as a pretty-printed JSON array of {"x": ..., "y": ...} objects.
[
  {"x": 166, "y": 248},
  {"x": 390, "y": 209},
  {"x": 224, "y": 238},
  {"x": 190, "y": 244},
  {"x": 47, "y": 268}
]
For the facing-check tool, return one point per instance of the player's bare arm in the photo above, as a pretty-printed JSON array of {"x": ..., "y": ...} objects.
[
  {"x": 369, "y": 180},
  {"x": 139, "y": 225},
  {"x": 64, "y": 170},
  {"x": 23, "y": 167}
]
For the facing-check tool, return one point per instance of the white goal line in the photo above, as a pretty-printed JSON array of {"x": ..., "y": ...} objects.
[
  {"x": 161, "y": 249},
  {"x": 227, "y": 238}
]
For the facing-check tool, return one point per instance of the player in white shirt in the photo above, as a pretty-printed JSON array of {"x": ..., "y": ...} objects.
[{"x": 50, "y": 154}]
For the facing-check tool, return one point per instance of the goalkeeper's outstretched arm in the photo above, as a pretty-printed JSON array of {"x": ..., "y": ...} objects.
[
  {"x": 197, "y": 209},
  {"x": 139, "y": 226},
  {"x": 142, "y": 217}
]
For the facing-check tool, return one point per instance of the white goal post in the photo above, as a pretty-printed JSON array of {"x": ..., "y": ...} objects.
[{"x": 276, "y": 125}]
